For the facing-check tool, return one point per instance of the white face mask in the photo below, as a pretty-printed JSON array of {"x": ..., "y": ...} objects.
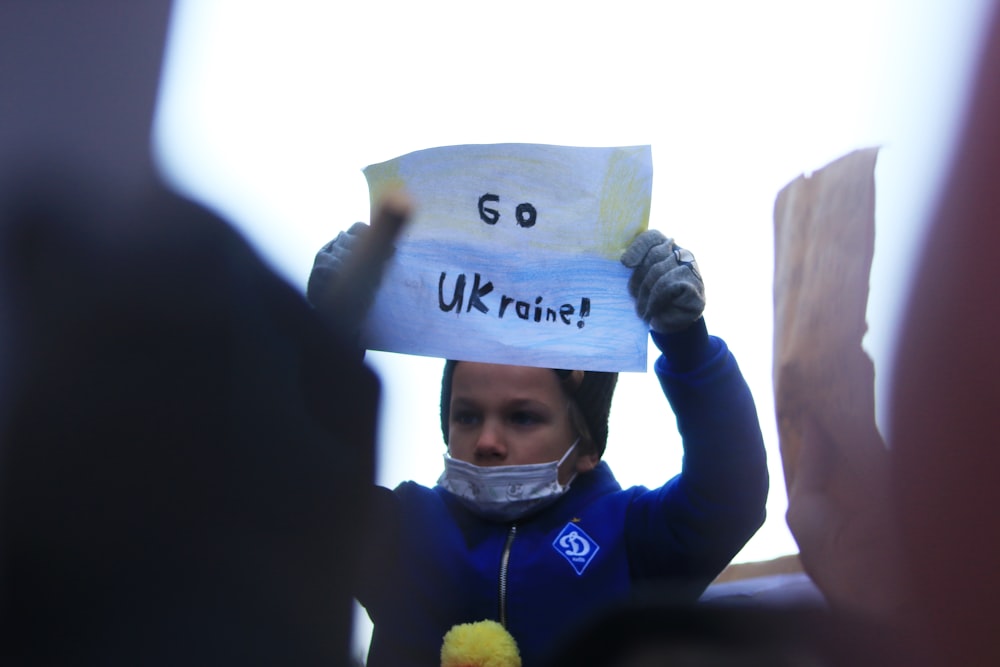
[{"x": 504, "y": 493}]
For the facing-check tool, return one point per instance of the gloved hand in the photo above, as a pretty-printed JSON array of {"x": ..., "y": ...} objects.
[
  {"x": 666, "y": 285},
  {"x": 347, "y": 271},
  {"x": 329, "y": 264}
]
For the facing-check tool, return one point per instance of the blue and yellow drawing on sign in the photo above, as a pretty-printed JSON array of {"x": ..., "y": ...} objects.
[{"x": 513, "y": 255}]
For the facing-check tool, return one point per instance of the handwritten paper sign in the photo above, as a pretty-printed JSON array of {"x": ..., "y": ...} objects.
[{"x": 513, "y": 256}]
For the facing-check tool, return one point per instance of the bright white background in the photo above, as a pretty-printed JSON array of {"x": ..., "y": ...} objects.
[{"x": 270, "y": 110}]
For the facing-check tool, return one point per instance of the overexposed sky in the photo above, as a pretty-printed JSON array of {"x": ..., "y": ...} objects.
[{"x": 269, "y": 111}]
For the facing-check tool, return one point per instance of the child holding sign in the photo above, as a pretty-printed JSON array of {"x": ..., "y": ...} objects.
[{"x": 527, "y": 525}]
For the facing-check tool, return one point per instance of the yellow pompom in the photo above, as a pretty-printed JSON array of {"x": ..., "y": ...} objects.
[{"x": 482, "y": 644}]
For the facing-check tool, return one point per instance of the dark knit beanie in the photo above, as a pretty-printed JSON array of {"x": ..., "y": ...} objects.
[{"x": 592, "y": 394}]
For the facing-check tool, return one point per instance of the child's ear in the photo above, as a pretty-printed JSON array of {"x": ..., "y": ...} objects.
[{"x": 587, "y": 462}]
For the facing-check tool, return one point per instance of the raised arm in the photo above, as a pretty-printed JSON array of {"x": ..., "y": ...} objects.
[{"x": 690, "y": 528}]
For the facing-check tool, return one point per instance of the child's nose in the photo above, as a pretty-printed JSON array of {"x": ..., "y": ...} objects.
[{"x": 490, "y": 445}]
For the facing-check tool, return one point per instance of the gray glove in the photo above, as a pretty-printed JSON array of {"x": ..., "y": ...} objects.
[
  {"x": 347, "y": 271},
  {"x": 345, "y": 306},
  {"x": 329, "y": 265},
  {"x": 666, "y": 285}
]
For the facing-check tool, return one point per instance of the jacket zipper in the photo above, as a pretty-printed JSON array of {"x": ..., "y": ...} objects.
[{"x": 504, "y": 565}]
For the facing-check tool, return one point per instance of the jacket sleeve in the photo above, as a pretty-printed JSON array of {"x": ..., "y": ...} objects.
[{"x": 689, "y": 529}]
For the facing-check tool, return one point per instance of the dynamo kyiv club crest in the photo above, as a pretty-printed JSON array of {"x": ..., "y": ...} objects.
[{"x": 576, "y": 546}]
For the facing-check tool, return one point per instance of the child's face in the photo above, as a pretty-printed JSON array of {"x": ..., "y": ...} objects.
[{"x": 512, "y": 415}]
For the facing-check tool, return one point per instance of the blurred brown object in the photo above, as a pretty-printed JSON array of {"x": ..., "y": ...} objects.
[
  {"x": 824, "y": 236},
  {"x": 914, "y": 526},
  {"x": 945, "y": 404},
  {"x": 835, "y": 461}
]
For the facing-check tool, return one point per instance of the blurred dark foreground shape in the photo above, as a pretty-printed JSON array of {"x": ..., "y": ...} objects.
[
  {"x": 184, "y": 449},
  {"x": 945, "y": 420},
  {"x": 652, "y": 632}
]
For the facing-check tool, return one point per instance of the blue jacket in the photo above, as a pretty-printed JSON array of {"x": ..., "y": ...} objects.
[{"x": 432, "y": 564}]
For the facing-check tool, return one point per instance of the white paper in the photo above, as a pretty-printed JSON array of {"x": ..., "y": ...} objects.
[{"x": 513, "y": 256}]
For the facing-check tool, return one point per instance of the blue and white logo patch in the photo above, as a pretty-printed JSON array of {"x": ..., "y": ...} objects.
[{"x": 576, "y": 546}]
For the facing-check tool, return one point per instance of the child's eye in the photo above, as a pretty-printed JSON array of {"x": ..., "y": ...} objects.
[
  {"x": 465, "y": 417},
  {"x": 525, "y": 418}
]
